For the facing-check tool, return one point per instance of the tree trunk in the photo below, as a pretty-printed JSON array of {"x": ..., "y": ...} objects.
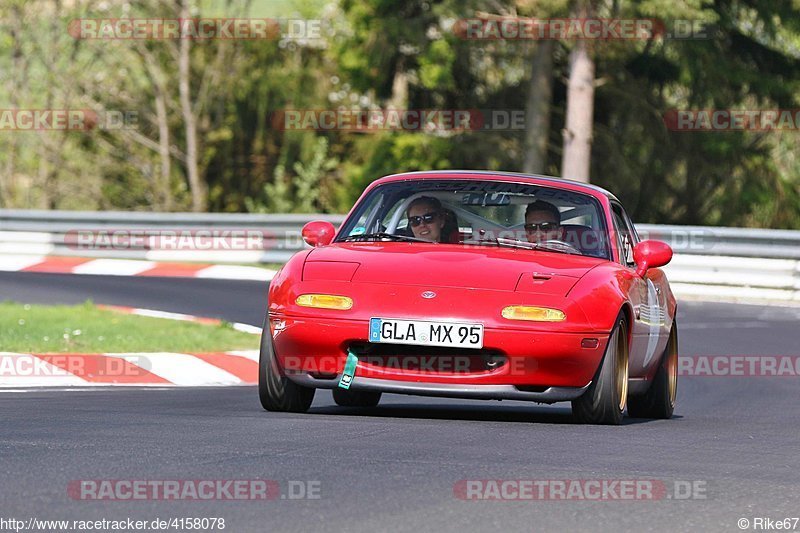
[
  {"x": 580, "y": 109},
  {"x": 164, "y": 188},
  {"x": 196, "y": 186},
  {"x": 399, "y": 98},
  {"x": 537, "y": 109},
  {"x": 45, "y": 201},
  {"x": 48, "y": 167}
]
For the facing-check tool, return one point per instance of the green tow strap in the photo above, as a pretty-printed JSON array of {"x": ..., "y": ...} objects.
[{"x": 349, "y": 370}]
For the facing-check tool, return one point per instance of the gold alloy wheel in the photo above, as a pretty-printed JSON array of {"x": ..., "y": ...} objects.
[
  {"x": 672, "y": 368},
  {"x": 622, "y": 366}
]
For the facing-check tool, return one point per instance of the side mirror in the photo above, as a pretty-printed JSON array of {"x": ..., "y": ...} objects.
[
  {"x": 651, "y": 254},
  {"x": 318, "y": 233}
]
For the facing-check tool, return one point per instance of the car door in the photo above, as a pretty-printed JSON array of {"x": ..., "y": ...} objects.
[
  {"x": 649, "y": 330},
  {"x": 657, "y": 290}
]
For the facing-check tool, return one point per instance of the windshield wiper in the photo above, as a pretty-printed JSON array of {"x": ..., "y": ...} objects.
[
  {"x": 385, "y": 235},
  {"x": 510, "y": 243},
  {"x": 556, "y": 247},
  {"x": 513, "y": 243}
]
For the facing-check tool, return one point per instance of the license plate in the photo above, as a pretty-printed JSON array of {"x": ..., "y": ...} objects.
[{"x": 423, "y": 333}]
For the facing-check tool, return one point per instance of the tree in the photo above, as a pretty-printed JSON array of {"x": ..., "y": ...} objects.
[
  {"x": 197, "y": 186},
  {"x": 576, "y": 160},
  {"x": 537, "y": 109}
]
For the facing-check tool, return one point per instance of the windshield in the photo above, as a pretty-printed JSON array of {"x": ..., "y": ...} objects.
[{"x": 483, "y": 213}]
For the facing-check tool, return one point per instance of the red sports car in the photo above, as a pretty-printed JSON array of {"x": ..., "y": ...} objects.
[{"x": 484, "y": 285}]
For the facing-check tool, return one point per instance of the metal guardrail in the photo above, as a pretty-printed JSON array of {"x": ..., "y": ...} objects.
[
  {"x": 736, "y": 242},
  {"x": 750, "y": 263},
  {"x": 285, "y": 230},
  {"x": 36, "y": 232}
]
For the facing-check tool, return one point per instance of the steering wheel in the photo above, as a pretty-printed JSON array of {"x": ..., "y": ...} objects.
[{"x": 561, "y": 244}]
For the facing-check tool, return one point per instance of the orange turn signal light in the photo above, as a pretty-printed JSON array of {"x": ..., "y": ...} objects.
[
  {"x": 324, "y": 301},
  {"x": 533, "y": 314}
]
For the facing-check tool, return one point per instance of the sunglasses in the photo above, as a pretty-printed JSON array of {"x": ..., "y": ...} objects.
[
  {"x": 427, "y": 218},
  {"x": 544, "y": 226}
]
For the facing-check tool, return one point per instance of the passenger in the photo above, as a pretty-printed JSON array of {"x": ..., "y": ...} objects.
[
  {"x": 543, "y": 222},
  {"x": 426, "y": 218}
]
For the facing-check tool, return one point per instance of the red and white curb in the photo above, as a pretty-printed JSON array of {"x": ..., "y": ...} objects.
[
  {"x": 238, "y": 326},
  {"x": 23, "y": 370},
  {"x": 129, "y": 267},
  {"x": 238, "y": 367}
]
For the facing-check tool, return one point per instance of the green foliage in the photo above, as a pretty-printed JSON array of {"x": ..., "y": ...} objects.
[
  {"x": 300, "y": 192},
  {"x": 375, "y": 54},
  {"x": 391, "y": 153},
  {"x": 727, "y": 178},
  {"x": 436, "y": 66}
]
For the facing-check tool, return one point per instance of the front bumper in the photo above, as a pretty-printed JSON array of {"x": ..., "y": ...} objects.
[
  {"x": 536, "y": 365},
  {"x": 446, "y": 390}
]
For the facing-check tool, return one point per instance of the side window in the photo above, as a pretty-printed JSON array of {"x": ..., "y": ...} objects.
[
  {"x": 390, "y": 214},
  {"x": 626, "y": 235},
  {"x": 367, "y": 220},
  {"x": 631, "y": 227}
]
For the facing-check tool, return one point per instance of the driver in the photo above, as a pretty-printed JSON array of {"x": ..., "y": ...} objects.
[{"x": 543, "y": 222}]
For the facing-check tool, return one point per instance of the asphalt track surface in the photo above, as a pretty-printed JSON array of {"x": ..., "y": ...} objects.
[{"x": 395, "y": 467}]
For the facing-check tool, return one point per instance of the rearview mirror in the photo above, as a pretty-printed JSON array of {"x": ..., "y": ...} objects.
[
  {"x": 651, "y": 254},
  {"x": 318, "y": 233}
]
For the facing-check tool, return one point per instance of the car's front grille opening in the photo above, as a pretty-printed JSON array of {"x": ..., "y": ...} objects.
[
  {"x": 435, "y": 359},
  {"x": 322, "y": 375},
  {"x": 530, "y": 388}
]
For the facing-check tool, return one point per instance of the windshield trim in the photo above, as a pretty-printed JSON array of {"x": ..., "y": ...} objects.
[{"x": 389, "y": 200}]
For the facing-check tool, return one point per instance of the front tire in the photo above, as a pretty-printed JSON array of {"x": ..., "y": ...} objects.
[
  {"x": 275, "y": 390},
  {"x": 604, "y": 401},
  {"x": 659, "y": 401},
  {"x": 353, "y": 398}
]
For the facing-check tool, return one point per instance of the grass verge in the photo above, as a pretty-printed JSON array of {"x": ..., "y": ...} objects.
[{"x": 86, "y": 329}]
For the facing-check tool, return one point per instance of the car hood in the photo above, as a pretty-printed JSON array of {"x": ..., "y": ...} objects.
[{"x": 442, "y": 265}]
